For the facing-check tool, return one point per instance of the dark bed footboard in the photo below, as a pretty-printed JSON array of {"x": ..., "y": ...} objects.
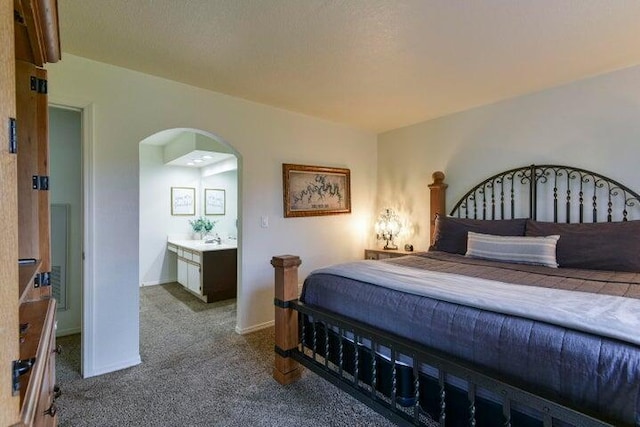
[{"x": 407, "y": 383}]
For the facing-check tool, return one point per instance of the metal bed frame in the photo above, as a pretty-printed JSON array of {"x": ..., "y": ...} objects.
[
  {"x": 521, "y": 192},
  {"x": 387, "y": 373}
]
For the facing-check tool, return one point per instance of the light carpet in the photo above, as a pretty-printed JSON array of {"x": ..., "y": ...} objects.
[{"x": 197, "y": 371}]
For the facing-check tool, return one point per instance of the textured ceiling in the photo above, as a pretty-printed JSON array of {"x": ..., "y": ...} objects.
[{"x": 372, "y": 64}]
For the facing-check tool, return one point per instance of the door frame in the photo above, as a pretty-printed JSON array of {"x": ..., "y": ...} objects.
[{"x": 87, "y": 288}]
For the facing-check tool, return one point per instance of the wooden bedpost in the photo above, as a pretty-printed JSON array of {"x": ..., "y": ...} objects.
[
  {"x": 285, "y": 369},
  {"x": 438, "y": 198}
]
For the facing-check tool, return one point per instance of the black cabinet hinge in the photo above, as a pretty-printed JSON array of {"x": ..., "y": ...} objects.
[
  {"x": 19, "y": 19},
  {"x": 40, "y": 182},
  {"x": 19, "y": 368},
  {"x": 42, "y": 279},
  {"x": 38, "y": 85},
  {"x": 13, "y": 136}
]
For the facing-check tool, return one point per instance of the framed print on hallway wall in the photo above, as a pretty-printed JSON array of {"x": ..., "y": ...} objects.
[
  {"x": 214, "y": 201},
  {"x": 315, "y": 190},
  {"x": 183, "y": 201}
]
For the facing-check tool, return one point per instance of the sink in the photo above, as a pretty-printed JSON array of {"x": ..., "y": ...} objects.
[
  {"x": 216, "y": 245},
  {"x": 202, "y": 245}
]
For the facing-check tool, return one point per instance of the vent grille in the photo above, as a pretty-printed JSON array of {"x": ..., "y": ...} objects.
[{"x": 59, "y": 287}]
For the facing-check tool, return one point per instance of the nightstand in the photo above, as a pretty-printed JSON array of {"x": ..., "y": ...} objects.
[{"x": 384, "y": 254}]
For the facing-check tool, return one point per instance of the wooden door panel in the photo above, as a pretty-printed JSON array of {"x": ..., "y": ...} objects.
[
  {"x": 27, "y": 130},
  {"x": 44, "y": 215},
  {"x": 9, "y": 340}
]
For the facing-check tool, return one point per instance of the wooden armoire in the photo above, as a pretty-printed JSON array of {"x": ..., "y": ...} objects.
[{"x": 29, "y": 38}]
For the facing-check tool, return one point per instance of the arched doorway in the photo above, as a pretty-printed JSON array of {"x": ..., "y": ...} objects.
[{"x": 201, "y": 164}]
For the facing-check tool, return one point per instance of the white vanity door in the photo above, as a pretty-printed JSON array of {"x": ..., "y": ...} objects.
[
  {"x": 182, "y": 272},
  {"x": 193, "y": 272}
]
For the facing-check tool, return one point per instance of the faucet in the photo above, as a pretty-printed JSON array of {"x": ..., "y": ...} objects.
[{"x": 216, "y": 239}]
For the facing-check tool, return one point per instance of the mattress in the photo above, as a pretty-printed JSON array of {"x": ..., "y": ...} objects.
[{"x": 591, "y": 371}]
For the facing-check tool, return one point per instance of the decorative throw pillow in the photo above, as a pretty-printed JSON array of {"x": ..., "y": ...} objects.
[
  {"x": 515, "y": 249},
  {"x": 450, "y": 233},
  {"x": 594, "y": 246}
]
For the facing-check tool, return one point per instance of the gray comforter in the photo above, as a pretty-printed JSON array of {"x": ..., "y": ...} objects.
[{"x": 593, "y": 368}]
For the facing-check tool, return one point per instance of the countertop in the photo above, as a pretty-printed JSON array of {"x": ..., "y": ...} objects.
[{"x": 201, "y": 246}]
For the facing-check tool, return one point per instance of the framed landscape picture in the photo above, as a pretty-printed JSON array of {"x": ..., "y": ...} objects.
[
  {"x": 315, "y": 190},
  {"x": 214, "y": 201},
  {"x": 183, "y": 201}
]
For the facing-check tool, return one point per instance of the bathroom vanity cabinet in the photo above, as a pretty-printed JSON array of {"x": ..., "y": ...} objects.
[{"x": 208, "y": 270}]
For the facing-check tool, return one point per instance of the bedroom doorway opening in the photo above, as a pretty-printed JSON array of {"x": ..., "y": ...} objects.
[
  {"x": 67, "y": 224},
  {"x": 188, "y": 176},
  {"x": 65, "y": 199}
]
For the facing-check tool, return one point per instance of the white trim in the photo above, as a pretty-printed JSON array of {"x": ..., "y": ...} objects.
[
  {"x": 158, "y": 282},
  {"x": 69, "y": 331},
  {"x": 255, "y": 328},
  {"x": 240, "y": 299},
  {"x": 88, "y": 230},
  {"x": 88, "y": 279},
  {"x": 111, "y": 368}
]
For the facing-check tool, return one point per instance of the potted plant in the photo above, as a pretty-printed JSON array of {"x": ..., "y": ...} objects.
[{"x": 202, "y": 225}]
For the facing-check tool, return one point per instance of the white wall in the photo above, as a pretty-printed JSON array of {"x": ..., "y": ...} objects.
[
  {"x": 225, "y": 225},
  {"x": 592, "y": 123},
  {"x": 127, "y": 107},
  {"x": 157, "y": 265}
]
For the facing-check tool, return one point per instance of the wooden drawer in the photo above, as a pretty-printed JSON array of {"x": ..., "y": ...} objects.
[
  {"x": 46, "y": 412},
  {"x": 39, "y": 383}
]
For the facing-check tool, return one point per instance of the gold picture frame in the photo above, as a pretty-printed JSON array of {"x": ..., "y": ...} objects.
[
  {"x": 315, "y": 190},
  {"x": 214, "y": 201},
  {"x": 183, "y": 201}
]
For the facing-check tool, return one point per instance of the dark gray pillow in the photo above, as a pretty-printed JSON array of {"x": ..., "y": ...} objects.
[
  {"x": 450, "y": 234},
  {"x": 594, "y": 246}
]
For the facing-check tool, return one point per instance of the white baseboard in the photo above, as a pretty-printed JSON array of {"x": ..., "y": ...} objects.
[
  {"x": 112, "y": 368},
  {"x": 157, "y": 282},
  {"x": 65, "y": 332},
  {"x": 255, "y": 328}
]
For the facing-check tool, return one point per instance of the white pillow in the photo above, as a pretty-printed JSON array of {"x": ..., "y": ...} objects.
[{"x": 516, "y": 249}]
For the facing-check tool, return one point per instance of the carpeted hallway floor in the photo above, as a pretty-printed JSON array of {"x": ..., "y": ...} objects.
[{"x": 196, "y": 371}]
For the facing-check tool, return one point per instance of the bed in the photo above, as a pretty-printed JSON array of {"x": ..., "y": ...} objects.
[{"x": 524, "y": 312}]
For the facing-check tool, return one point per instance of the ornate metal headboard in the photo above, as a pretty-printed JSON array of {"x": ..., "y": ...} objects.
[
  {"x": 549, "y": 193},
  {"x": 543, "y": 192}
]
